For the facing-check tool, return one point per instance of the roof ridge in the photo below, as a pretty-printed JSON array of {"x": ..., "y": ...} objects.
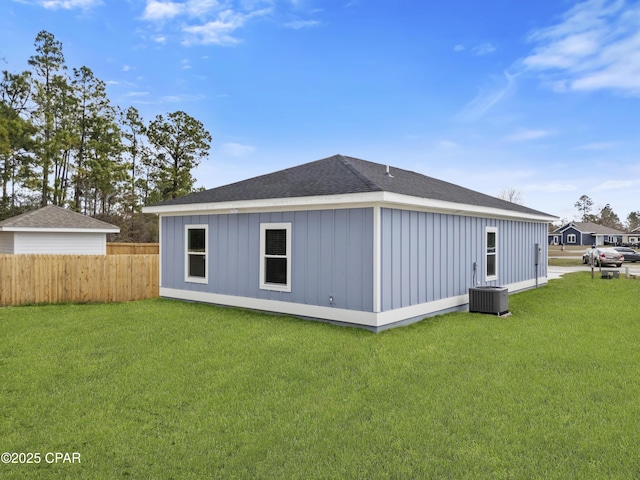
[{"x": 367, "y": 181}]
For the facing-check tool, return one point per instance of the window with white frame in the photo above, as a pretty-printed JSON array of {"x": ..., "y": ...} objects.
[
  {"x": 491, "y": 263},
  {"x": 275, "y": 256},
  {"x": 196, "y": 253},
  {"x": 571, "y": 238}
]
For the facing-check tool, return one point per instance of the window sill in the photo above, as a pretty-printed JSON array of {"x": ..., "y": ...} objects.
[
  {"x": 275, "y": 288},
  {"x": 196, "y": 280}
]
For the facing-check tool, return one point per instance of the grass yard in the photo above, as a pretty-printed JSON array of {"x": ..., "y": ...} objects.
[
  {"x": 170, "y": 390},
  {"x": 558, "y": 251},
  {"x": 566, "y": 262}
]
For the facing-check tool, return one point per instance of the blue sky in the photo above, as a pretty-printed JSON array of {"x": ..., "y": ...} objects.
[{"x": 542, "y": 96}]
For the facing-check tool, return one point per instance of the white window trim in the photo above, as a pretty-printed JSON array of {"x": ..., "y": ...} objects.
[
  {"x": 571, "y": 238},
  {"x": 187, "y": 278},
  {"x": 487, "y": 277},
  {"x": 274, "y": 286}
]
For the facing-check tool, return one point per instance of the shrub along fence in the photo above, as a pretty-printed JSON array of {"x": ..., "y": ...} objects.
[
  {"x": 28, "y": 279},
  {"x": 114, "y": 248}
]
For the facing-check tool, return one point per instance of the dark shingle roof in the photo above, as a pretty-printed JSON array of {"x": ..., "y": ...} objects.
[
  {"x": 342, "y": 175},
  {"x": 589, "y": 227},
  {"x": 55, "y": 217}
]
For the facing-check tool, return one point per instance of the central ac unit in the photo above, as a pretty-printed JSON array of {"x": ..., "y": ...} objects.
[{"x": 488, "y": 299}]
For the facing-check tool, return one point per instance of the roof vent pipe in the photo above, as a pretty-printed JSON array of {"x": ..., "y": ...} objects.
[{"x": 388, "y": 173}]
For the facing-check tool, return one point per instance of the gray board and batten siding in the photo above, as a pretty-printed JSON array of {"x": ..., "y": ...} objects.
[
  {"x": 429, "y": 256},
  {"x": 424, "y": 256},
  {"x": 332, "y": 252}
]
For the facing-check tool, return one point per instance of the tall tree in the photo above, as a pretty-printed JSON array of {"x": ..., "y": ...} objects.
[
  {"x": 106, "y": 173},
  {"x": 180, "y": 142},
  {"x": 511, "y": 195},
  {"x": 633, "y": 220},
  {"x": 137, "y": 155},
  {"x": 65, "y": 138},
  {"x": 15, "y": 134},
  {"x": 93, "y": 113},
  {"x": 47, "y": 63},
  {"x": 608, "y": 218},
  {"x": 584, "y": 206}
]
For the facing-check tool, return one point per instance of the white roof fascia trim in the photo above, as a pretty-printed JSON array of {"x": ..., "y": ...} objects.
[
  {"x": 59, "y": 230},
  {"x": 268, "y": 204},
  {"x": 461, "y": 208},
  {"x": 385, "y": 199}
]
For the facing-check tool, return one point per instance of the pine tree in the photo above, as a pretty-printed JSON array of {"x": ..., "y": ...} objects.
[
  {"x": 15, "y": 135},
  {"x": 48, "y": 63},
  {"x": 179, "y": 142}
]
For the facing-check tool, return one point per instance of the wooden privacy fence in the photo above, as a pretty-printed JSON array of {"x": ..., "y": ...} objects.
[
  {"x": 114, "y": 248},
  {"x": 26, "y": 279}
]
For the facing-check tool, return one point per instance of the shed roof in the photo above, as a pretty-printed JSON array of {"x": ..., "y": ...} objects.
[
  {"x": 339, "y": 175},
  {"x": 53, "y": 218}
]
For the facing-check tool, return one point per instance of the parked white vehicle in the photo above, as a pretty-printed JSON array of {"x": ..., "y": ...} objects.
[{"x": 602, "y": 256}]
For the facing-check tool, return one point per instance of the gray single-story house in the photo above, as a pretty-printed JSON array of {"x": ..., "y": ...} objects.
[
  {"x": 585, "y": 233},
  {"x": 54, "y": 230},
  {"x": 347, "y": 241},
  {"x": 632, "y": 238}
]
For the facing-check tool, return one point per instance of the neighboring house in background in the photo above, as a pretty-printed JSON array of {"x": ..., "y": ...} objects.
[
  {"x": 632, "y": 238},
  {"x": 585, "y": 233},
  {"x": 54, "y": 230},
  {"x": 347, "y": 241}
]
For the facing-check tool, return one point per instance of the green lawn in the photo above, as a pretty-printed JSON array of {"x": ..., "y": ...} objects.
[
  {"x": 168, "y": 390},
  {"x": 566, "y": 262}
]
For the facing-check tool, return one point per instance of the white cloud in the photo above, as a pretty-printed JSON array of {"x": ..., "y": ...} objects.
[
  {"x": 126, "y": 68},
  {"x": 156, "y": 10},
  {"x": 237, "y": 149},
  {"x": 526, "y": 135},
  {"x": 218, "y": 32},
  {"x": 201, "y": 7},
  {"x": 551, "y": 187},
  {"x": 167, "y": 10},
  {"x": 171, "y": 99},
  {"x": 299, "y": 24},
  {"x": 613, "y": 185},
  {"x": 483, "y": 49},
  {"x": 598, "y": 146},
  {"x": 68, "y": 4},
  {"x": 486, "y": 100},
  {"x": 458, "y": 48},
  {"x": 205, "y": 22},
  {"x": 595, "y": 46}
]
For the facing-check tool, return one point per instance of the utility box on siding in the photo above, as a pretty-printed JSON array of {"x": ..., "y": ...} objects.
[{"x": 494, "y": 300}]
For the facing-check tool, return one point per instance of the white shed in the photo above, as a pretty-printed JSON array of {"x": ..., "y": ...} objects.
[{"x": 54, "y": 230}]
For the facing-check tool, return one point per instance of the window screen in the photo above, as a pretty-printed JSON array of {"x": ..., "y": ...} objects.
[
  {"x": 492, "y": 249},
  {"x": 276, "y": 242},
  {"x": 196, "y": 258},
  {"x": 275, "y": 251}
]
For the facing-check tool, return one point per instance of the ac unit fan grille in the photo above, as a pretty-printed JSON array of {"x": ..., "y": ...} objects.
[{"x": 493, "y": 300}]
